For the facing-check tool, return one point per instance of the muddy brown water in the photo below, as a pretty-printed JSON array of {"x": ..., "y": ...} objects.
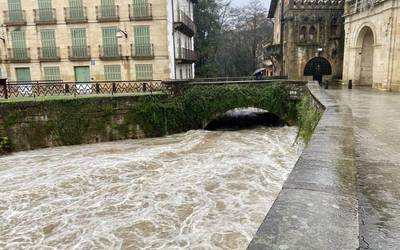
[{"x": 197, "y": 190}]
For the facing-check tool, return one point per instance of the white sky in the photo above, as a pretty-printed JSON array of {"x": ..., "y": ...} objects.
[{"x": 239, "y": 3}]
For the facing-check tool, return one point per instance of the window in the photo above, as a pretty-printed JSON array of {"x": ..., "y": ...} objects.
[
  {"x": 108, "y": 8},
  {"x": 312, "y": 33},
  {"x": 303, "y": 34},
  {"x": 15, "y": 10},
  {"x": 112, "y": 72},
  {"x": 23, "y": 74},
  {"x": 45, "y": 10},
  {"x": 144, "y": 71},
  {"x": 76, "y": 9},
  {"x": 52, "y": 73},
  {"x": 140, "y": 8},
  {"x": 110, "y": 42},
  {"x": 19, "y": 44},
  {"x": 142, "y": 41},
  {"x": 78, "y": 37},
  {"x": 49, "y": 49}
]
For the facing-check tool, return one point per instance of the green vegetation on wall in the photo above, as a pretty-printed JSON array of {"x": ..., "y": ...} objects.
[{"x": 30, "y": 125}]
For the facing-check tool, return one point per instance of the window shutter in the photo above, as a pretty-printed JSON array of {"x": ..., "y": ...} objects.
[
  {"x": 45, "y": 9},
  {"x": 49, "y": 49},
  {"x": 110, "y": 43},
  {"x": 78, "y": 37},
  {"x": 19, "y": 44},
  {"x": 112, "y": 72},
  {"x": 142, "y": 35},
  {"x": 76, "y": 9},
  {"x": 140, "y": 8},
  {"x": 23, "y": 74},
  {"x": 15, "y": 11},
  {"x": 144, "y": 71},
  {"x": 52, "y": 73}
]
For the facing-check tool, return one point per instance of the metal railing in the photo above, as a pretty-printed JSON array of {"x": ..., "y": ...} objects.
[
  {"x": 185, "y": 24},
  {"x": 142, "y": 51},
  {"x": 59, "y": 88},
  {"x": 49, "y": 54},
  {"x": 19, "y": 55},
  {"x": 79, "y": 53},
  {"x": 45, "y": 16},
  {"x": 107, "y": 13},
  {"x": 15, "y": 17},
  {"x": 110, "y": 52},
  {"x": 139, "y": 12},
  {"x": 186, "y": 55},
  {"x": 76, "y": 15}
]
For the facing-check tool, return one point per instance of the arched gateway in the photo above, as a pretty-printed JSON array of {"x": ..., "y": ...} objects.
[{"x": 365, "y": 42}]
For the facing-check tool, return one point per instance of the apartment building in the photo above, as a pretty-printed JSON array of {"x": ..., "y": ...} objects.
[{"x": 84, "y": 40}]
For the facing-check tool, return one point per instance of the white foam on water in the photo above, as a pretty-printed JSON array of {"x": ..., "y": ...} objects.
[{"x": 197, "y": 190}]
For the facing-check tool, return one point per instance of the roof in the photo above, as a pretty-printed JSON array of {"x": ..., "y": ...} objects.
[{"x": 272, "y": 8}]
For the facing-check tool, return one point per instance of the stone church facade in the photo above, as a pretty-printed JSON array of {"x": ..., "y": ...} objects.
[
  {"x": 307, "y": 33},
  {"x": 372, "y": 43}
]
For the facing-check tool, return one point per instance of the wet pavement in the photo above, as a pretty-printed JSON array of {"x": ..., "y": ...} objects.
[{"x": 377, "y": 150}]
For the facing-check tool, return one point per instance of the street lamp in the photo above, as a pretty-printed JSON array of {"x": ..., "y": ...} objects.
[{"x": 121, "y": 34}]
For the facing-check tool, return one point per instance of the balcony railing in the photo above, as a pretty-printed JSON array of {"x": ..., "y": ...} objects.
[
  {"x": 49, "y": 54},
  {"x": 76, "y": 15},
  {"x": 139, "y": 12},
  {"x": 45, "y": 16},
  {"x": 142, "y": 51},
  {"x": 110, "y": 52},
  {"x": 185, "y": 24},
  {"x": 15, "y": 17},
  {"x": 79, "y": 53},
  {"x": 19, "y": 55},
  {"x": 186, "y": 56},
  {"x": 107, "y": 13},
  {"x": 358, "y": 6}
]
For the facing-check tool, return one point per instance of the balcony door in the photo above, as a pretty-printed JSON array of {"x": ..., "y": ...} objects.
[
  {"x": 110, "y": 42},
  {"x": 45, "y": 10},
  {"x": 142, "y": 41},
  {"x": 19, "y": 44},
  {"x": 15, "y": 10},
  {"x": 24, "y": 75},
  {"x": 49, "y": 49},
  {"x": 140, "y": 8},
  {"x": 108, "y": 8},
  {"x": 76, "y": 9},
  {"x": 79, "y": 45}
]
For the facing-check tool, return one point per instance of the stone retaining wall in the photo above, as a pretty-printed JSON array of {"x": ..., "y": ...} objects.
[{"x": 317, "y": 207}]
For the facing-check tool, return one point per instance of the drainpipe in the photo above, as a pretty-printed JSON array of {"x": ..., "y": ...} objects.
[
  {"x": 173, "y": 36},
  {"x": 281, "y": 38}
]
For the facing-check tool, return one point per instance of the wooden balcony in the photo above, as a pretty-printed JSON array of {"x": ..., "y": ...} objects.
[
  {"x": 142, "y": 51},
  {"x": 186, "y": 56},
  {"x": 140, "y": 12},
  {"x": 76, "y": 15},
  {"x": 185, "y": 24},
  {"x": 19, "y": 55},
  {"x": 113, "y": 52},
  {"x": 49, "y": 54},
  {"x": 79, "y": 53},
  {"x": 45, "y": 16},
  {"x": 107, "y": 13},
  {"x": 15, "y": 18}
]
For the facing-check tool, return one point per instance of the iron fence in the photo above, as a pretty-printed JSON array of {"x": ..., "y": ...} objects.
[{"x": 60, "y": 88}]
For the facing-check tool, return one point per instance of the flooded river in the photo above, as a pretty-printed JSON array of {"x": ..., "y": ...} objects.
[{"x": 197, "y": 190}]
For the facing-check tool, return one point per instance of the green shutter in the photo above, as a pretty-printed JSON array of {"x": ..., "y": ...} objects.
[
  {"x": 23, "y": 74},
  {"x": 142, "y": 41},
  {"x": 108, "y": 8},
  {"x": 78, "y": 36},
  {"x": 52, "y": 73},
  {"x": 110, "y": 42},
  {"x": 140, "y": 8},
  {"x": 45, "y": 10},
  {"x": 76, "y": 9},
  {"x": 15, "y": 10},
  {"x": 112, "y": 72},
  {"x": 49, "y": 49},
  {"x": 144, "y": 71},
  {"x": 19, "y": 44}
]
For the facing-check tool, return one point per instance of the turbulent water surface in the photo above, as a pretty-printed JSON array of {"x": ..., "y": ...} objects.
[{"x": 198, "y": 190}]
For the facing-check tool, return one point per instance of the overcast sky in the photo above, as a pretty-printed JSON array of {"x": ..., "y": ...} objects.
[{"x": 238, "y": 3}]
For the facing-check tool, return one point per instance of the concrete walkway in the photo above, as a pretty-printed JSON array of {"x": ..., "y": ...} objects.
[{"x": 377, "y": 144}]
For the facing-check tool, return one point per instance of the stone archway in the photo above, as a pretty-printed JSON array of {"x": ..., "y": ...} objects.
[{"x": 365, "y": 43}]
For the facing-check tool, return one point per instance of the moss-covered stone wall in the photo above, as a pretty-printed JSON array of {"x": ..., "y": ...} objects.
[{"x": 31, "y": 125}]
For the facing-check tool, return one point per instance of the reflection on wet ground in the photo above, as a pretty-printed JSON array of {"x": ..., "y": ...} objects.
[
  {"x": 377, "y": 129},
  {"x": 198, "y": 190}
]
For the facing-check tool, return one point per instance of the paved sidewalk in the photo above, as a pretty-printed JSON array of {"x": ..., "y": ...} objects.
[{"x": 377, "y": 130}]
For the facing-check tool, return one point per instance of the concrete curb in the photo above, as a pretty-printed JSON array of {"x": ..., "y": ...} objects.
[{"x": 317, "y": 207}]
